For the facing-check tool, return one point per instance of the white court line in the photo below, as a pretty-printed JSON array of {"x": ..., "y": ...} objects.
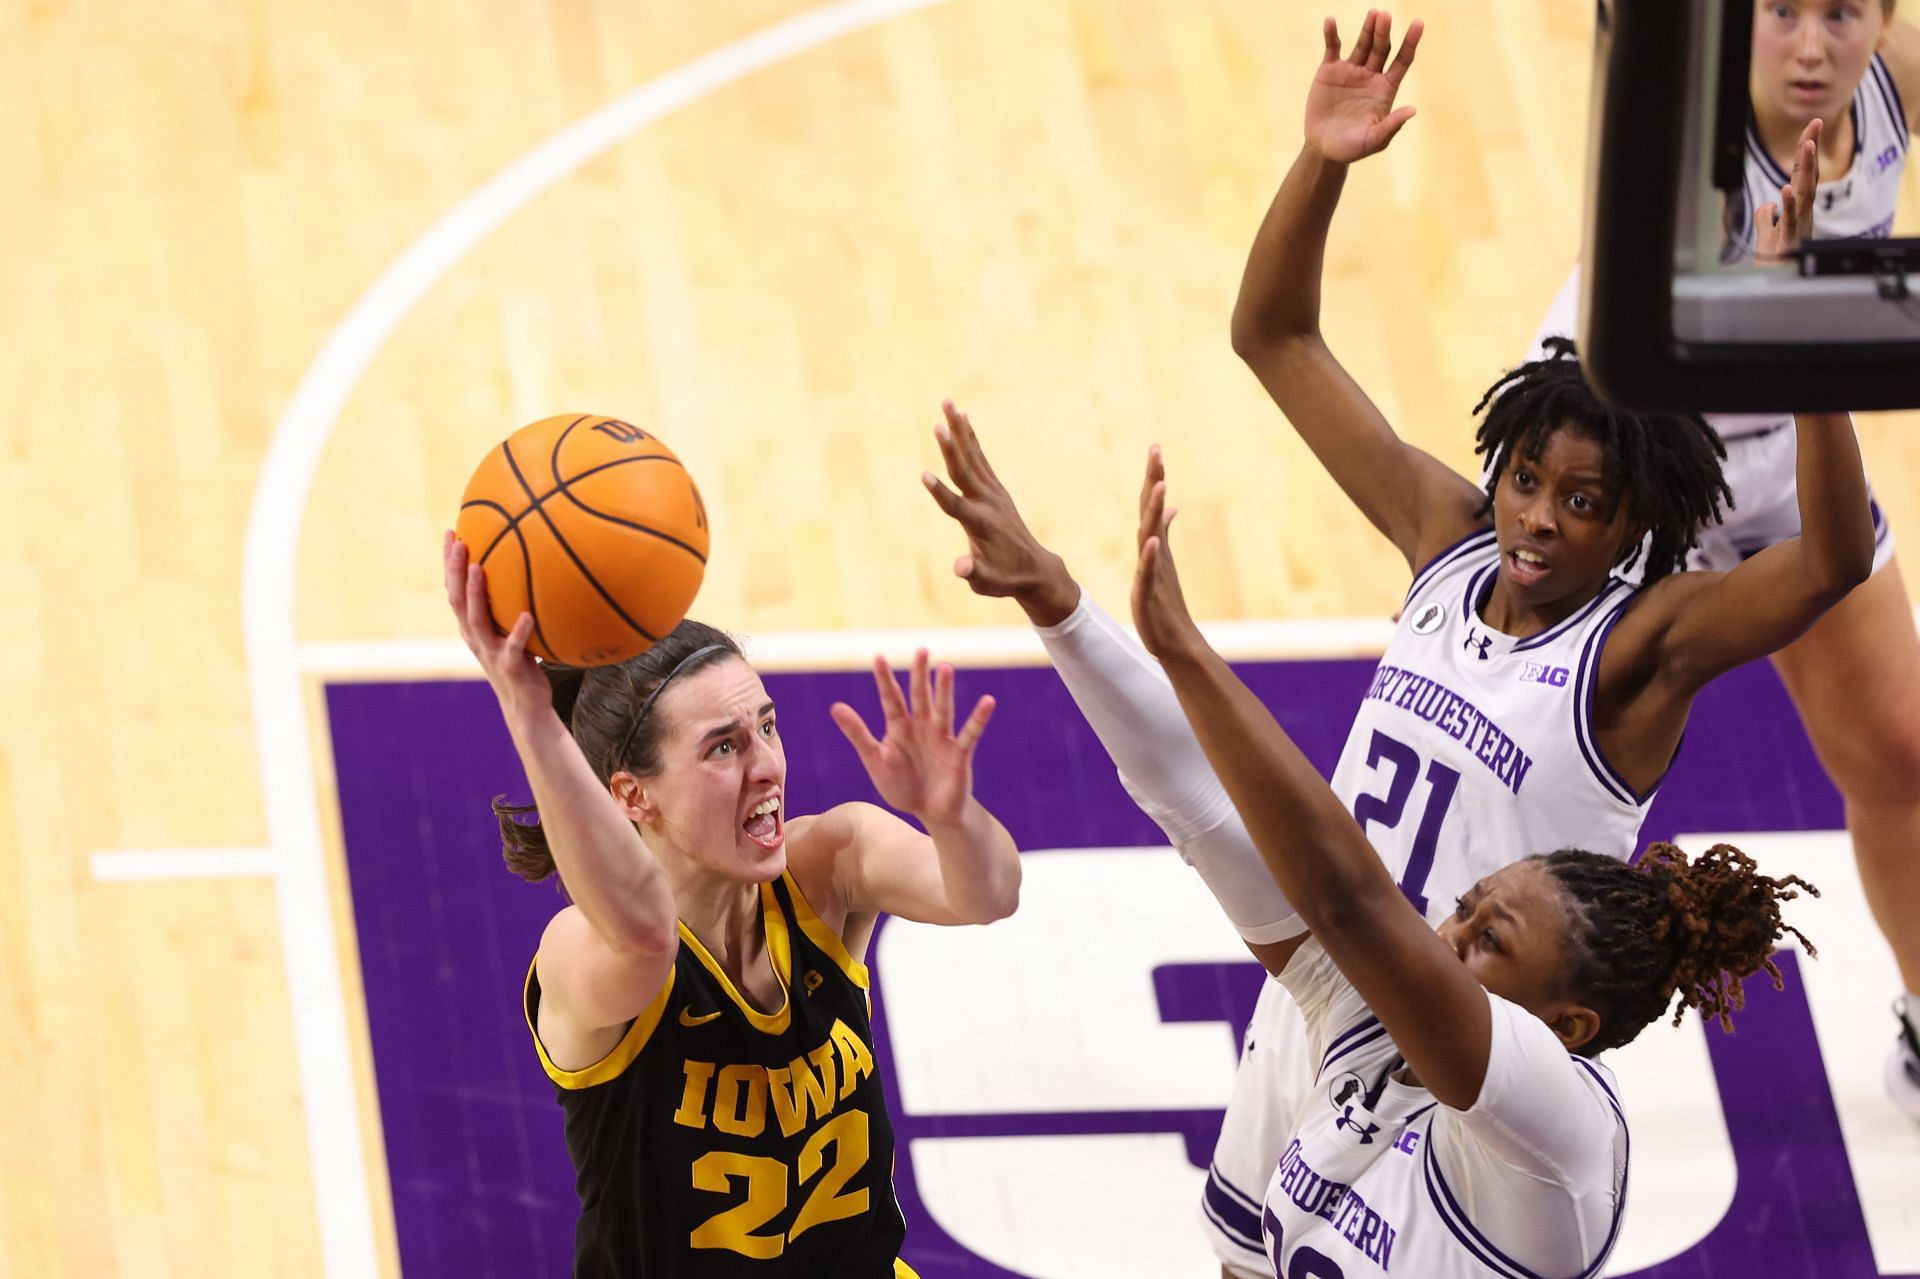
[
  {"x": 270, "y": 566},
  {"x": 132, "y": 864}
]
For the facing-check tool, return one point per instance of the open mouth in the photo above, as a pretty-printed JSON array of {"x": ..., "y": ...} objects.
[
  {"x": 1525, "y": 566},
  {"x": 763, "y": 824},
  {"x": 1807, "y": 90}
]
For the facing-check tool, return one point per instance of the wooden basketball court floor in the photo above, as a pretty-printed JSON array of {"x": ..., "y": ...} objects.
[{"x": 279, "y": 273}]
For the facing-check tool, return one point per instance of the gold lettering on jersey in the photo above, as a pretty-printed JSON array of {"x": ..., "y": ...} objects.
[
  {"x": 856, "y": 1062},
  {"x": 693, "y": 1101},
  {"x": 740, "y": 1101},
  {"x": 807, "y": 1089}
]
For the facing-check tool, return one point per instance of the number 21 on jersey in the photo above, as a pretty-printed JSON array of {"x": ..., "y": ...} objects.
[{"x": 1398, "y": 764}]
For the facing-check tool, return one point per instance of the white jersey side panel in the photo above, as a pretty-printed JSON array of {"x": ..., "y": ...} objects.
[
  {"x": 1378, "y": 1179},
  {"x": 1473, "y": 749}
]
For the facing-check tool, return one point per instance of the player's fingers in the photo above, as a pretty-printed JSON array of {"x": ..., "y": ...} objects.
[
  {"x": 1393, "y": 124},
  {"x": 961, "y": 425},
  {"x": 920, "y": 685},
  {"x": 479, "y": 619},
  {"x": 961, "y": 449},
  {"x": 893, "y": 704},
  {"x": 943, "y": 698},
  {"x": 854, "y": 729},
  {"x": 1404, "y": 60},
  {"x": 1330, "y": 32},
  {"x": 1363, "y": 43},
  {"x": 969, "y": 735},
  {"x": 1156, "y": 470},
  {"x": 1382, "y": 39},
  {"x": 945, "y": 498},
  {"x": 515, "y": 647},
  {"x": 453, "y": 568}
]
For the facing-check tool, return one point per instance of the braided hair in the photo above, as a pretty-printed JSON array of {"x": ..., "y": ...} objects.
[
  {"x": 1668, "y": 465},
  {"x": 1666, "y": 927},
  {"x": 607, "y": 709}
]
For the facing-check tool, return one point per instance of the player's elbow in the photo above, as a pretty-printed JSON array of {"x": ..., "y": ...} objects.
[{"x": 998, "y": 897}]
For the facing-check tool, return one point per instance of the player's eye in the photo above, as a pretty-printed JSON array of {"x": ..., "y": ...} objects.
[
  {"x": 721, "y": 749},
  {"x": 1580, "y": 503},
  {"x": 766, "y": 729},
  {"x": 1493, "y": 943},
  {"x": 1460, "y": 906}
]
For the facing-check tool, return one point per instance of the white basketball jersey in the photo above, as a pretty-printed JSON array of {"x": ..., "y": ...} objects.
[
  {"x": 1378, "y": 1179},
  {"x": 1859, "y": 203},
  {"x": 1473, "y": 749}
]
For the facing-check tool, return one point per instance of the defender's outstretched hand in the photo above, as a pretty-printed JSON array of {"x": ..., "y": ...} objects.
[
  {"x": 1350, "y": 111},
  {"x": 1159, "y": 607},
  {"x": 923, "y": 765},
  {"x": 1779, "y": 226},
  {"x": 1004, "y": 558}
]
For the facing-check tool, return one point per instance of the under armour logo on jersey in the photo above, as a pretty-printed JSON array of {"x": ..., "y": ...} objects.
[
  {"x": 1473, "y": 641},
  {"x": 1428, "y": 619},
  {"x": 1361, "y": 1126}
]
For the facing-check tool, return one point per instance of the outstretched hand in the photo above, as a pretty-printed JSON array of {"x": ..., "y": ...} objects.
[
  {"x": 1350, "y": 111},
  {"x": 1159, "y": 607},
  {"x": 1003, "y": 556},
  {"x": 923, "y": 766},
  {"x": 1779, "y": 226},
  {"x": 515, "y": 676}
]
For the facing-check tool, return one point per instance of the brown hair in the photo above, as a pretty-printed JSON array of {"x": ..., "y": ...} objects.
[
  {"x": 610, "y": 712},
  {"x": 1670, "y": 927}
]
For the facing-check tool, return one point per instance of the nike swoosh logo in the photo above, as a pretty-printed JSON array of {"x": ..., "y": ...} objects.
[{"x": 688, "y": 1019}]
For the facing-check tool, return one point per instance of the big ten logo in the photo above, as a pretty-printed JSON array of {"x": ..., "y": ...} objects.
[
  {"x": 622, "y": 432},
  {"x": 1537, "y": 673},
  {"x": 1886, "y": 159},
  {"x": 1040, "y": 1066},
  {"x": 807, "y": 1091}
]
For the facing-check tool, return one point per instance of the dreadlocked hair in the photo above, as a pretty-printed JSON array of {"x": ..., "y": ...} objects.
[
  {"x": 1666, "y": 464},
  {"x": 1668, "y": 926}
]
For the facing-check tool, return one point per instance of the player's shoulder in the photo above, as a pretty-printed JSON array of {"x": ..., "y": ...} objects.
[
  {"x": 1900, "y": 54},
  {"x": 820, "y": 846}
]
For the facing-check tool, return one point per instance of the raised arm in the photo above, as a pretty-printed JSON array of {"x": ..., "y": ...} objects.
[
  {"x": 1118, "y": 687},
  {"x": 605, "y": 958},
  {"x": 1693, "y": 627},
  {"x": 1431, "y": 1005},
  {"x": 964, "y": 868},
  {"x": 1421, "y": 505}
]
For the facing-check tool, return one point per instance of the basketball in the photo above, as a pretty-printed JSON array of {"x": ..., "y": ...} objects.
[{"x": 593, "y": 526}]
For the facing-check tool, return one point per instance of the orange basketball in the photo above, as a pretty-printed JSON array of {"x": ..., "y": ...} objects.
[{"x": 591, "y": 525}]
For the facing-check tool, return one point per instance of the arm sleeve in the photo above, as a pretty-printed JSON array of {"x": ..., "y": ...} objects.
[
  {"x": 1132, "y": 707},
  {"x": 1540, "y": 1110}
]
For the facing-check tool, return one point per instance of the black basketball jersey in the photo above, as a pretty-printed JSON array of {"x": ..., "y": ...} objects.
[{"x": 719, "y": 1141}]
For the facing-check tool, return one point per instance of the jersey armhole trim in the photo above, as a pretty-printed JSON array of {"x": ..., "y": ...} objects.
[
  {"x": 1882, "y": 75},
  {"x": 1427, "y": 571},
  {"x": 824, "y": 939},
  {"x": 1586, "y": 686},
  {"x": 622, "y": 1055}
]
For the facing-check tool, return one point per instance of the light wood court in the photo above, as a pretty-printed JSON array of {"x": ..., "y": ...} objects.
[{"x": 1039, "y": 209}]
